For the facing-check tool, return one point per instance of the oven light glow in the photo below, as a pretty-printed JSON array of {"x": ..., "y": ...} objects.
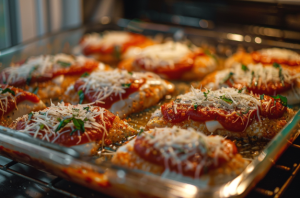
[
  {"x": 235, "y": 37},
  {"x": 257, "y": 40}
]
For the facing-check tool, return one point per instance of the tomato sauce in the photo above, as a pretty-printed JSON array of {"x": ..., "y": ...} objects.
[
  {"x": 20, "y": 97},
  {"x": 172, "y": 72},
  {"x": 135, "y": 40},
  {"x": 270, "y": 88},
  {"x": 90, "y": 135},
  {"x": 89, "y": 66},
  {"x": 232, "y": 120},
  {"x": 149, "y": 153},
  {"x": 110, "y": 100},
  {"x": 257, "y": 57}
]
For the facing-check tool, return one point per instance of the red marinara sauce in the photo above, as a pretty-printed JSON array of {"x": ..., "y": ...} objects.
[
  {"x": 148, "y": 152},
  {"x": 68, "y": 140},
  {"x": 135, "y": 40},
  {"x": 89, "y": 66},
  {"x": 110, "y": 100},
  {"x": 271, "y": 88},
  {"x": 172, "y": 72},
  {"x": 257, "y": 57},
  {"x": 233, "y": 120},
  {"x": 20, "y": 96}
]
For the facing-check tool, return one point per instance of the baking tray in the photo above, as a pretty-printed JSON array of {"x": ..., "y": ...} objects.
[{"x": 118, "y": 181}]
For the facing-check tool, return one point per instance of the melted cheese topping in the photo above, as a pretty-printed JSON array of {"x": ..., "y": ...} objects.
[
  {"x": 107, "y": 83},
  {"x": 280, "y": 54},
  {"x": 4, "y": 98},
  {"x": 178, "y": 145},
  {"x": 218, "y": 99},
  {"x": 106, "y": 39},
  {"x": 160, "y": 55},
  {"x": 48, "y": 120},
  {"x": 40, "y": 66},
  {"x": 258, "y": 71}
]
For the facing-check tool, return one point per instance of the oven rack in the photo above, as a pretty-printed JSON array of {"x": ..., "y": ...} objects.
[{"x": 285, "y": 170}]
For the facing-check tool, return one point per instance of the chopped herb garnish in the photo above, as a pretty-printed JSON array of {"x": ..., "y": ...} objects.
[
  {"x": 276, "y": 65},
  {"x": 195, "y": 106},
  {"x": 9, "y": 91},
  {"x": 261, "y": 97},
  {"x": 228, "y": 77},
  {"x": 226, "y": 99},
  {"x": 244, "y": 67},
  {"x": 74, "y": 130},
  {"x": 81, "y": 96},
  {"x": 130, "y": 73},
  {"x": 205, "y": 94},
  {"x": 178, "y": 100},
  {"x": 79, "y": 124},
  {"x": 30, "y": 116},
  {"x": 86, "y": 108},
  {"x": 35, "y": 90},
  {"x": 63, "y": 123},
  {"x": 85, "y": 74},
  {"x": 117, "y": 52},
  {"x": 85, "y": 119},
  {"x": 42, "y": 113},
  {"x": 28, "y": 80},
  {"x": 64, "y": 64},
  {"x": 141, "y": 131},
  {"x": 42, "y": 126},
  {"x": 126, "y": 85},
  {"x": 208, "y": 53},
  {"x": 282, "y": 99},
  {"x": 58, "y": 119},
  {"x": 252, "y": 77},
  {"x": 241, "y": 90}
]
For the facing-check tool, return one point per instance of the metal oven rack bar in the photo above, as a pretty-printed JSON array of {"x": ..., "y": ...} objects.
[{"x": 50, "y": 185}]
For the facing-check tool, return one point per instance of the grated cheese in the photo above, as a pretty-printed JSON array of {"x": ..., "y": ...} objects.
[
  {"x": 111, "y": 83},
  {"x": 49, "y": 118},
  {"x": 178, "y": 145},
  {"x": 39, "y": 66},
  {"x": 160, "y": 55},
  {"x": 278, "y": 53},
  {"x": 106, "y": 39},
  {"x": 263, "y": 74}
]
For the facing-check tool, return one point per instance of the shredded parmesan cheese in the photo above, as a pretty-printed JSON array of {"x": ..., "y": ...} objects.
[
  {"x": 178, "y": 145},
  {"x": 40, "y": 66},
  {"x": 51, "y": 118}
]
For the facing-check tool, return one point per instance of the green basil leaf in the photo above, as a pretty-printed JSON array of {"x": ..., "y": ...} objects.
[
  {"x": 276, "y": 65},
  {"x": 28, "y": 80},
  {"x": 261, "y": 97},
  {"x": 35, "y": 90},
  {"x": 74, "y": 130},
  {"x": 8, "y": 90},
  {"x": 226, "y": 99},
  {"x": 85, "y": 75},
  {"x": 127, "y": 85},
  {"x": 282, "y": 99},
  {"x": 63, "y": 123},
  {"x": 81, "y": 96},
  {"x": 79, "y": 124},
  {"x": 86, "y": 108},
  {"x": 141, "y": 131},
  {"x": 206, "y": 93},
  {"x": 30, "y": 116},
  {"x": 228, "y": 77},
  {"x": 244, "y": 68},
  {"x": 64, "y": 64},
  {"x": 195, "y": 106},
  {"x": 42, "y": 126}
]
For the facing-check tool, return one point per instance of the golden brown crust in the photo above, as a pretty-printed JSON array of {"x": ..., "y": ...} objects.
[
  {"x": 222, "y": 174},
  {"x": 265, "y": 129}
]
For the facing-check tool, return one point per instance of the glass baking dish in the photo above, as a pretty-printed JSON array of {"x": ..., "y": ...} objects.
[{"x": 119, "y": 181}]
